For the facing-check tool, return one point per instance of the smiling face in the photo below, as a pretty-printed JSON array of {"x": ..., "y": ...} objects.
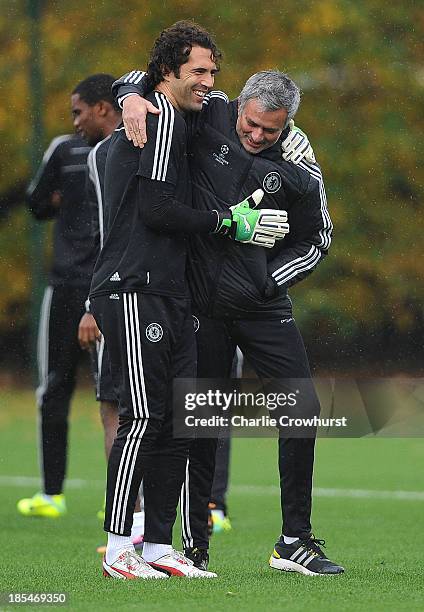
[
  {"x": 88, "y": 120},
  {"x": 196, "y": 79},
  {"x": 258, "y": 129}
]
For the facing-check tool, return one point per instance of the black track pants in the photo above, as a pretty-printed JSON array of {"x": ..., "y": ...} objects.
[
  {"x": 223, "y": 451},
  {"x": 221, "y": 475},
  {"x": 58, "y": 356},
  {"x": 274, "y": 349},
  {"x": 151, "y": 341}
]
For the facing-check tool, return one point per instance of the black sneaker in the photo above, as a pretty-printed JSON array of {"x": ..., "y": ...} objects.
[
  {"x": 199, "y": 556},
  {"x": 303, "y": 556}
]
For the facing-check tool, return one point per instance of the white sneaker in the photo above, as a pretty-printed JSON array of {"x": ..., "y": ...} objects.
[
  {"x": 129, "y": 566},
  {"x": 176, "y": 564}
]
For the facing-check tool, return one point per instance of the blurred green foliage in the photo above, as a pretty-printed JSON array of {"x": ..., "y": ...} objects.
[{"x": 360, "y": 66}]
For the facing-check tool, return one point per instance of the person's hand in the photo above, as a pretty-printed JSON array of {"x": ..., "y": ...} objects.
[
  {"x": 134, "y": 113},
  {"x": 296, "y": 146},
  {"x": 260, "y": 227},
  {"x": 88, "y": 332}
]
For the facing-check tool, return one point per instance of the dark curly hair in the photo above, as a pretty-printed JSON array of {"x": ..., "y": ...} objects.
[{"x": 173, "y": 47}]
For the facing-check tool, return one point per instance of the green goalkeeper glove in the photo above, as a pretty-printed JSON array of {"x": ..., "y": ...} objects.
[{"x": 261, "y": 227}]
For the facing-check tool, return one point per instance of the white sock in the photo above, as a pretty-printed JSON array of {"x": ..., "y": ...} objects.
[
  {"x": 138, "y": 525},
  {"x": 116, "y": 544},
  {"x": 289, "y": 540},
  {"x": 153, "y": 552}
]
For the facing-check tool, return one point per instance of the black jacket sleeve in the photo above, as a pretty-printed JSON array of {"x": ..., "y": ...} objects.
[
  {"x": 310, "y": 234},
  {"x": 46, "y": 182},
  {"x": 131, "y": 82},
  {"x": 161, "y": 212},
  {"x": 136, "y": 82}
]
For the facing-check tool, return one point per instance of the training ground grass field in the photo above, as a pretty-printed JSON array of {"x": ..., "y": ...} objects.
[{"x": 378, "y": 537}]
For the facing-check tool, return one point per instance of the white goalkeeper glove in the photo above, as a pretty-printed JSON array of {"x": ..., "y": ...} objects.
[{"x": 296, "y": 146}]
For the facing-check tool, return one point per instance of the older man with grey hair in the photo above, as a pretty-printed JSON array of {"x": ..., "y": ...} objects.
[
  {"x": 271, "y": 92},
  {"x": 240, "y": 295}
]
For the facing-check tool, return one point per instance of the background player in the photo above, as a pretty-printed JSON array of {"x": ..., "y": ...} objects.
[{"x": 58, "y": 192}]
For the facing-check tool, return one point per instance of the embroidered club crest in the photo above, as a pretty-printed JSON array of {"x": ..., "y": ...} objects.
[
  {"x": 154, "y": 332},
  {"x": 272, "y": 182}
]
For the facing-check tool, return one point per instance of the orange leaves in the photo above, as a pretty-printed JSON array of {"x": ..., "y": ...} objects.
[
  {"x": 326, "y": 16},
  {"x": 359, "y": 66}
]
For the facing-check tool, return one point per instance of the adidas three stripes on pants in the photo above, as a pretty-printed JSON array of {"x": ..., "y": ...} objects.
[{"x": 151, "y": 341}]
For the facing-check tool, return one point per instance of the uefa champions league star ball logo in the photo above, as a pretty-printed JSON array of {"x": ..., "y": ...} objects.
[
  {"x": 154, "y": 332},
  {"x": 221, "y": 156},
  {"x": 272, "y": 182}
]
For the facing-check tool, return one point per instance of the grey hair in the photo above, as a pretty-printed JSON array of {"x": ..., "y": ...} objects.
[{"x": 273, "y": 90}]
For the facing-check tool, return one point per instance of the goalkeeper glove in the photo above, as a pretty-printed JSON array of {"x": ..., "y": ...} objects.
[
  {"x": 296, "y": 146},
  {"x": 259, "y": 227}
]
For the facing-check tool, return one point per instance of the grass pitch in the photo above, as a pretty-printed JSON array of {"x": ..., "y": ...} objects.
[{"x": 376, "y": 536}]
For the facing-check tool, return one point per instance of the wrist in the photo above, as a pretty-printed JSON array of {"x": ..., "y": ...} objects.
[
  {"x": 121, "y": 99},
  {"x": 223, "y": 224}
]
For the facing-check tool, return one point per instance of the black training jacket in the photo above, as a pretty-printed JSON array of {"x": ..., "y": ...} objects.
[
  {"x": 95, "y": 187},
  {"x": 136, "y": 256},
  {"x": 229, "y": 279},
  {"x": 63, "y": 170}
]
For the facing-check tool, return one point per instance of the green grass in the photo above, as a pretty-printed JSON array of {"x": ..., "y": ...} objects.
[{"x": 379, "y": 541}]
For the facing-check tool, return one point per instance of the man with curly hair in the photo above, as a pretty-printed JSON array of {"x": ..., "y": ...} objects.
[
  {"x": 240, "y": 298},
  {"x": 140, "y": 301}
]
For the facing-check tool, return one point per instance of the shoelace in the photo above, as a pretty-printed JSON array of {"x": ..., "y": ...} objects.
[
  {"x": 132, "y": 560},
  {"x": 178, "y": 556},
  {"x": 314, "y": 544}
]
